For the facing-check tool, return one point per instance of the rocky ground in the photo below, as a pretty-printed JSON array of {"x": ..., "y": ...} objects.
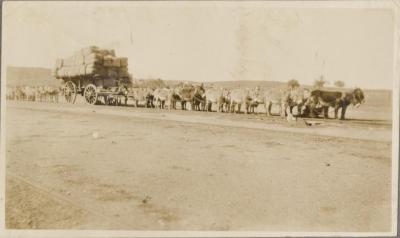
[{"x": 99, "y": 167}]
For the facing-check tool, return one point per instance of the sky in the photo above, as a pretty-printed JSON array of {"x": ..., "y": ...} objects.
[{"x": 209, "y": 41}]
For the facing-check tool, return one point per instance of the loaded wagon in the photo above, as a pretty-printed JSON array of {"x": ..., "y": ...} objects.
[{"x": 94, "y": 73}]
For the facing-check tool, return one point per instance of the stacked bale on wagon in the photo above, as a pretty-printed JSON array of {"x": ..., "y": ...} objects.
[{"x": 92, "y": 61}]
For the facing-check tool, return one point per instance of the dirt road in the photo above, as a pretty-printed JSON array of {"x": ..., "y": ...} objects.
[{"x": 82, "y": 167}]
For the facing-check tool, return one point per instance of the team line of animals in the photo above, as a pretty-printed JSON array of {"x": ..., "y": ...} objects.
[{"x": 305, "y": 102}]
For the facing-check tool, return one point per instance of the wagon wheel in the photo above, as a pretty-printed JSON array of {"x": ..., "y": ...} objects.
[
  {"x": 70, "y": 92},
  {"x": 90, "y": 94}
]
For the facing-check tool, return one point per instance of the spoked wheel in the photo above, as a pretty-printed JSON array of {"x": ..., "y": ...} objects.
[
  {"x": 70, "y": 92},
  {"x": 90, "y": 94}
]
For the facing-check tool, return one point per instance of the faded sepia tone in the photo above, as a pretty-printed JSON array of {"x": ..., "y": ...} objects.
[{"x": 209, "y": 116}]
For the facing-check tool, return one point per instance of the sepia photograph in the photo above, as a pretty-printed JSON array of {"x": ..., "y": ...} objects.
[{"x": 199, "y": 118}]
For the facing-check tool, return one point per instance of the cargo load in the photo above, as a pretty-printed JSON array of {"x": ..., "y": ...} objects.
[{"x": 92, "y": 61}]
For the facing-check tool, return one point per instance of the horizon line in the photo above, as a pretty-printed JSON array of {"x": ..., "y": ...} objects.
[{"x": 217, "y": 81}]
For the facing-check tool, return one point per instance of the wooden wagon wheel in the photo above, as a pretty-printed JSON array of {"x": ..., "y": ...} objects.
[
  {"x": 70, "y": 92},
  {"x": 90, "y": 94}
]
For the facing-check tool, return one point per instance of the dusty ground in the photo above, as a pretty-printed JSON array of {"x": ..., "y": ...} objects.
[{"x": 98, "y": 167}]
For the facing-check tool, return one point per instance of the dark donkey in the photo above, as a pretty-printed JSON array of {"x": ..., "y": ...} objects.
[
  {"x": 199, "y": 100},
  {"x": 192, "y": 94},
  {"x": 325, "y": 99}
]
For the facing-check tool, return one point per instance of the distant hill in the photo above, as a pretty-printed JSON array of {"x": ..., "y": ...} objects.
[
  {"x": 234, "y": 84},
  {"x": 151, "y": 83},
  {"x": 29, "y": 76},
  {"x": 248, "y": 84}
]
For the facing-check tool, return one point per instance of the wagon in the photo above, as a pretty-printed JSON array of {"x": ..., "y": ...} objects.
[
  {"x": 95, "y": 89},
  {"x": 95, "y": 73}
]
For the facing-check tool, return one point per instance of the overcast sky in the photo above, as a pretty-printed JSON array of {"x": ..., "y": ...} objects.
[{"x": 211, "y": 41}]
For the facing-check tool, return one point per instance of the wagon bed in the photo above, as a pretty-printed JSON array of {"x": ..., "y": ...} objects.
[{"x": 94, "y": 90}]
